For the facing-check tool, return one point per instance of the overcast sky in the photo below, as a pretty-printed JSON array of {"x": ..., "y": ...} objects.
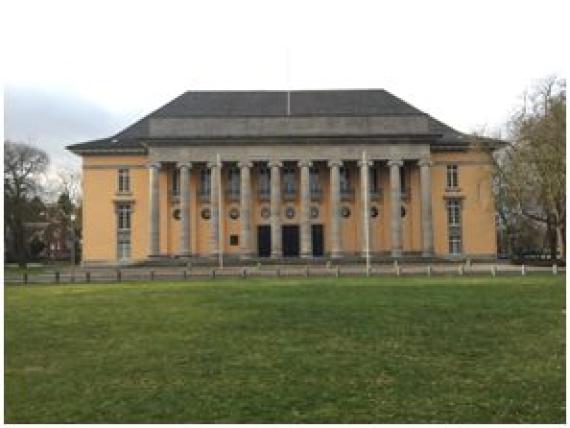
[{"x": 77, "y": 70}]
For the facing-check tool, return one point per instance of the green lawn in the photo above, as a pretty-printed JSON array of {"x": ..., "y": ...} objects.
[{"x": 308, "y": 350}]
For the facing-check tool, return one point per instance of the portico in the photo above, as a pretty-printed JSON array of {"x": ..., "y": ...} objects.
[{"x": 298, "y": 197}]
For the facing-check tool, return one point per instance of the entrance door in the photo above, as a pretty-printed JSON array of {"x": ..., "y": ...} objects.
[
  {"x": 318, "y": 240},
  {"x": 264, "y": 241},
  {"x": 290, "y": 234}
]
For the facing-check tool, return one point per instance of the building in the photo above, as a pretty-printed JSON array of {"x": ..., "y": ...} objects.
[{"x": 285, "y": 174}]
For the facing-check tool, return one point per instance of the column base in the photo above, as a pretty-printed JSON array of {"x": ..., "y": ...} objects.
[
  {"x": 427, "y": 253},
  {"x": 276, "y": 255},
  {"x": 336, "y": 255},
  {"x": 396, "y": 253},
  {"x": 246, "y": 256},
  {"x": 306, "y": 255}
]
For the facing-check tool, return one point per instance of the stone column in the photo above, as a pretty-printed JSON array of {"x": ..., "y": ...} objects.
[
  {"x": 427, "y": 223},
  {"x": 245, "y": 209},
  {"x": 276, "y": 237},
  {"x": 185, "y": 208},
  {"x": 154, "y": 199},
  {"x": 334, "y": 166},
  {"x": 365, "y": 195},
  {"x": 396, "y": 206},
  {"x": 215, "y": 170},
  {"x": 305, "y": 229}
]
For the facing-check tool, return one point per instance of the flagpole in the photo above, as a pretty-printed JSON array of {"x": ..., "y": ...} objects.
[
  {"x": 366, "y": 214},
  {"x": 220, "y": 213}
]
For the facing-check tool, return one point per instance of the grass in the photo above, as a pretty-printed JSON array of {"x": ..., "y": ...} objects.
[{"x": 388, "y": 350}]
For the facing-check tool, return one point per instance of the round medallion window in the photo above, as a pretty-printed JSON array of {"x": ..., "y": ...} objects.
[
  {"x": 290, "y": 212},
  {"x": 234, "y": 213},
  {"x": 176, "y": 214},
  {"x": 345, "y": 212},
  {"x": 374, "y": 212},
  {"x": 403, "y": 211},
  {"x": 206, "y": 213},
  {"x": 265, "y": 213},
  {"x": 314, "y": 212}
]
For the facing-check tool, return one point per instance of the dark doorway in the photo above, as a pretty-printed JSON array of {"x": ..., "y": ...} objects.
[
  {"x": 290, "y": 241},
  {"x": 318, "y": 239},
  {"x": 264, "y": 241}
]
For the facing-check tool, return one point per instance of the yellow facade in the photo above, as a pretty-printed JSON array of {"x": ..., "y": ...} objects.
[{"x": 101, "y": 196}]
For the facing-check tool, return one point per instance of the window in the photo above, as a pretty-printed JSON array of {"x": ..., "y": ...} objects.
[
  {"x": 344, "y": 179},
  {"x": 403, "y": 179},
  {"x": 373, "y": 179},
  {"x": 124, "y": 181},
  {"x": 454, "y": 225},
  {"x": 124, "y": 217},
  {"x": 124, "y": 232},
  {"x": 264, "y": 180},
  {"x": 234, "y": 240},
  {"x": 124, "y": 248},
  {"x": 234, "y": 180},
  {"x": 452, "y": 177},
  {"x": 205, "y": 182},
  {"x": 289, "y": 182},
  {"x": 176, "y": 182},
  {"x": 314, "y": 183}
]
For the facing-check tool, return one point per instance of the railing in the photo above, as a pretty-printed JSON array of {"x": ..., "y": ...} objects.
[
  {"x": 146, "y": 274},
  {"x": 233, "y": 195},
  {"x": 376, "y": 194},
  {"x": 264, "y": 194},
  {"x": 347, "y": 194},
  {"x": 316, "y": 194},
  {"x": 289, "y": 194},
  {"x": 204, "y": 195}
]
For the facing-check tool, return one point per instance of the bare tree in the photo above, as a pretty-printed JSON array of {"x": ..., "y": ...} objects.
[
  {"x": 23, "y": 167},
  {"x": 69, "y": 182},
  {"x": 531, "y": 170}
]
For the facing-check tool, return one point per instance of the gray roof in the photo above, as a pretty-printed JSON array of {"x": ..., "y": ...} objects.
[{"x": 235, "y": 104}]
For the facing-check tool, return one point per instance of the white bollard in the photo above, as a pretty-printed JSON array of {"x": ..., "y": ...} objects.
[
  {"x": 429, "y": 271},
  {"x": 397, "y": 270},
  {"x": 523, "y": 270},
  {"x": 555, "y": 269},
  {"x": 493, "y": 271},
  {"x": 460, "y": 270}
]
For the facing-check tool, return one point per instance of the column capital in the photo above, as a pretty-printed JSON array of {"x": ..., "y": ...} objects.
[
  {"x": 395, "y": 162},
  {"x": 274, "y": 164},
  {"x": 334, "y": 162},
  {"x": 154, "y": 165},
  {"x": 214, "y": 164},
  {"x": 181, "y": 165},
  {"x": 245, "y": 164},
  {"x": 367, "y": 163},
  {"x": 304, "y": 163},
  {"x": 425, "y": 162}
]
